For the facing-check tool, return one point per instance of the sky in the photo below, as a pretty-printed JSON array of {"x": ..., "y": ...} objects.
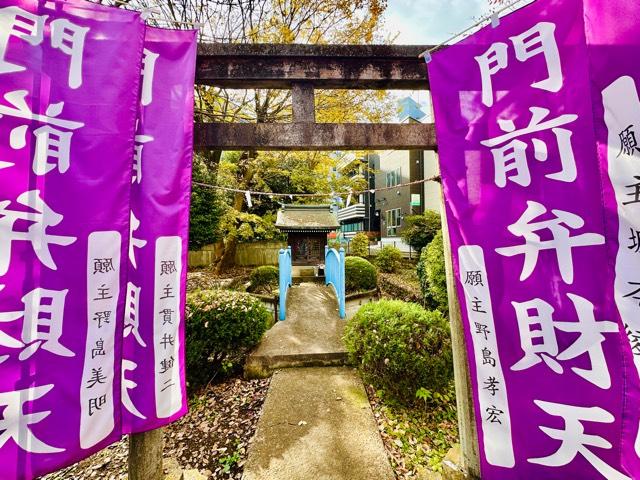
[
  {"x": 424, "y": 22},
  {"x": 431, "y": 22}
]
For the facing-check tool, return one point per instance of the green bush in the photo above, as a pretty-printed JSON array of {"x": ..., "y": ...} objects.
[
  {"x": 359, "y": 245},
  {"x": 388, "y": 259},
  {"x": 420, "y": 230},
  {"x": 360, "y": 275},
  {"x": 432, "y": 275},
  {"x": 221, "y": 327},
  {"x": 335, "y": 243},
  {"x": 401, "y": 347},
  {"x": 264, "y": 279}
]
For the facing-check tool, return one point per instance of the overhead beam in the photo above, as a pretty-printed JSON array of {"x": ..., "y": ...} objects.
[
  {"x": 314, "y": 136},
  {"x": 266, "y": 66}
]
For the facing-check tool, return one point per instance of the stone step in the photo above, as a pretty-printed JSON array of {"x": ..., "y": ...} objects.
[{"x": 262, "y": 366}]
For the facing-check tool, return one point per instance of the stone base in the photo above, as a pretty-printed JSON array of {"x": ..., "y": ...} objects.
[{"x": 452, "y": 465}]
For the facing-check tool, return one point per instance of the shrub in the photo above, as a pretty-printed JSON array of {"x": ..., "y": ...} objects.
[
  {"x": 264, "y": 279},
  {"x": 388, "y": 259},
  {"x": 359, "y": 245},
  {"x": 432, "y": 275},
  {"x": 420, "y": 230},
  {"x": 221, "y": 327},
  {"x": 335, "y": 243},
  {"x": 397, "y": 286},
  {"x": 401, "y": 347},
  {"x": 360, "y": 275}
]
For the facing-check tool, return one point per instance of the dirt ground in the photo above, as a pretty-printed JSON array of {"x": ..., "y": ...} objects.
[{"x": 213, "y": 437}]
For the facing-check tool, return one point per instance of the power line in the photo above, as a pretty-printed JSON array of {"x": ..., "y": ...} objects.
[
  {"x": 435, "y": 178},
  {"x": 493, "y": 18}
]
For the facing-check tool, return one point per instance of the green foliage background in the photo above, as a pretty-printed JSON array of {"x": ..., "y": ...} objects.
[
  {"x": 432, "y": 275},
  {"x": 420, "y": 230}
]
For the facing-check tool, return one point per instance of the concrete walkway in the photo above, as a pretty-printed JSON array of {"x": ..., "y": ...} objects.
[
  {"x": 310, "y": 336},
  {"x": 317, "y": 424}
]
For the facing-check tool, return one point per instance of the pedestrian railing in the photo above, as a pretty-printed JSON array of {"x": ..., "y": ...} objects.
[
  {"x": 286, "y": 278},
  {"x": 335, "y": 274}
]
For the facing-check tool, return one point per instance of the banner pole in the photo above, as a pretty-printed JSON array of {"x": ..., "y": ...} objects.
[
  {"x": 469, "y": 454},
  {"x": 145, "y": 455}
]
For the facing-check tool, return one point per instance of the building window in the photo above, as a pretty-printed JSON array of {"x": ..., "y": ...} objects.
[
  {"x": 353, "y": 227},
  {"x": 394, "y": 178},
  {"x": 393, "y": 221}
]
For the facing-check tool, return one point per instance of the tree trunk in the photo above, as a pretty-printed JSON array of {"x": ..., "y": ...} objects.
[
  {"x": 227, "y": 259},
  {"x": 145, "y": 455}
]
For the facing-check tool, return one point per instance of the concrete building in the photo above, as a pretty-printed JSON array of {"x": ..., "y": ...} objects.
[
  {"x": 397, "y": 167},
  {"x": 360, "y": 215}
]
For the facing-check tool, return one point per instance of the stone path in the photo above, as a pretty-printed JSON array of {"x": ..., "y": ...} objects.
[
  {"x": 310, "y": 336},
  {"x": 317, "y": 424}
]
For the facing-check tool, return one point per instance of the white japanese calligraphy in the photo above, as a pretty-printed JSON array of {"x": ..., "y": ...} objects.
[
  {"x": 42, "y": 324},
  {"x": 41, "y": 220},
  {"x": 131, "y": 313},
  {"x": 512, "y": 156},
  {"x": 539, "y": 39},
  {"x": 561, "y": 240},
  {"x": 539, "y": 342},
  {"x": 574, "y": 439},
  {"x": 149, "y": 59},
  {"x": 140, "y": 140},
  {"x": 66, "y": 37},
  {"x": 18, "y": 23},
  {"x": 134, "y": 243},
  {"x": 51, "y": 142},
  {"x": 129, "y": 366},
  {"x": 14, "y": 423}
]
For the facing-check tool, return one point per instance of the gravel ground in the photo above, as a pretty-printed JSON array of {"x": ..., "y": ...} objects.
[{"x": 212, "y": 438}]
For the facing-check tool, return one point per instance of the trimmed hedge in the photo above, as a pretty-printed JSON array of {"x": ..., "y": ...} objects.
[
  {"x": 264, "y": 279},
  {"x": 388, "y": 259},
  {"x": 221, "y": 327},
  {"x": 360, "y": 275},
  {"x": 359, "y": 245},
  {"x": 400, "y": 347}
]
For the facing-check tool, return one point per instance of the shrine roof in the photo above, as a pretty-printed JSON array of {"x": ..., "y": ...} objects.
[{"x": 298, "y": 218}]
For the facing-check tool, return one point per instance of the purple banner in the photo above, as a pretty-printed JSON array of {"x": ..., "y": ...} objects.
[
  {"x": 532, "y": 246},
  {"x": 153, "y": 383},
  {"x": 613, "y": 36},
  {"x": 69, "y": 78}
]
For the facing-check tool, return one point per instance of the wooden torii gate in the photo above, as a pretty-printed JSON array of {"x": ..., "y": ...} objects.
[{"x": 302, "y": 69}]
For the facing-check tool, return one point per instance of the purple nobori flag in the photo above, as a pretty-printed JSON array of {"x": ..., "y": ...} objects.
[
  {"x": 69, "y": 78},
  {"x": 613, "y": 36},
  {"x": 153, "y": 382},
  {"x": 549, "y": 361}
]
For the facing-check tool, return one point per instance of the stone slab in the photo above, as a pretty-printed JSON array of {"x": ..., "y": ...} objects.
[
  {"x": 310, "y": 336},
  {"x": 317, "y": 424}
]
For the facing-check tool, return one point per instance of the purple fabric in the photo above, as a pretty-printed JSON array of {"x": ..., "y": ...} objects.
[
  {"x": 535, "y": 402},
  {"x": 613, "y": 38},
  {"x": 161, "y": 190},
  {"x": 52, "y": 372}
]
